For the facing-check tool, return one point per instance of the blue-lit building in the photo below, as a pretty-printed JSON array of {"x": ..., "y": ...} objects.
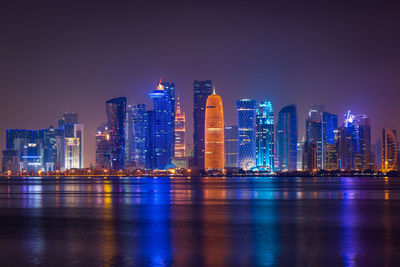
[
  {"x": 246, "y": 114},
  {"x": 116, "y": 112},
  {"x": 287, "y": 138},
  {"x": 231, "y": 146},
  {"x": 162, "y": 126},
  {"x": 265, "y": 144},
  {"x": 138, "y": 133}
]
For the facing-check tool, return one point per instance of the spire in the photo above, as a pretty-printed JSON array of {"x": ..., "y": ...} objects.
[
  {"x": 160, "y": 86},
  {"x": 213, "y": 89},
  {"x": 178, "y": 105}
]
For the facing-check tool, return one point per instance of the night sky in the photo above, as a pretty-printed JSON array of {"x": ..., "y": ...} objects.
[{"x": 68, "y": 56}]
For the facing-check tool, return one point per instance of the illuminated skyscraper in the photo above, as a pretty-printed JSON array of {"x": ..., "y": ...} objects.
[
  {"x": 246, "y": 114},
  {"x": 309, "y": 161},
  {"x": 162, "y": 134},
  {"x": 314, "y": 133},
  {"x": 265, "y": 145},
  {"x": 389, "y": 150},
  {"x": 201, "y": 91},
  {"x": 139, "y": 136},
  {"x": 287, "y": 138},
  {"x": 180, "y": 144},
  {"x": 74, "y": 146},
  {"x": 367, "y": 162},
  {"x": 214, "y": 157},
  {"x": 231, "y": 146},
  {"x": 102, "y": 147},
  {"x": 116, "y": 112}
]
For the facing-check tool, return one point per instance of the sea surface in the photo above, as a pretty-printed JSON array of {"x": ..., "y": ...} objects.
[{"x": 258, "y": 221}]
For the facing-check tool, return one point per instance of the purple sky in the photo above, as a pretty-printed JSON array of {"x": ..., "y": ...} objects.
[{"x": 66, "y": 56}]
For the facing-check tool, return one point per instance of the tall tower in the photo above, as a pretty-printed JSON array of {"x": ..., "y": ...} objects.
[
  {"x": 214, "y": 156},
  {"x": 116, "y": 112},
  {"x": 287, "y": 138},
  {"x": 162, "y": 120},
  {"x": 246, "y": 114},
  {"x": 201, "y": 91},
  {"x": 265, "y": 145},
  {"x": 180, "y": 127}
]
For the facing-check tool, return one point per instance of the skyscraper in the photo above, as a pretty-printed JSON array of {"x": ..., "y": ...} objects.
[
  {"x": 162, "y": 135},
  {"x": 140, "y": 128},
  {"x": 116, "y": 112},
  {"x": 246, "y": 114},
  {"x": 180, "y": 128},
  {"x": 309, "y": 156},
  {"x": 389, "y": 150},
  {"x": 74, "y": 146},
  {"x": 365, "y": 143},
  {"x": 265, "y": 145},
  {"x": 214, "y": 157},
  {"x": 314, "y": 133},
  {"x": 231, "y": 146},
  {"x": 201, "y": 91},
  {"x": 102, "y": 147},
  {"x": 287, "y": 138}
]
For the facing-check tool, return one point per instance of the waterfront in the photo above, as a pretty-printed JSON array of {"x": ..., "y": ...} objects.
[{"x": 125, "y": 221}]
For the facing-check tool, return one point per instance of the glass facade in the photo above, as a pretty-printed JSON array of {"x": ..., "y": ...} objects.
[
  {"x": 246, "y": 114},
  {"x": 116, "y": 112},
  {"x": 287, "y": 138},
  {"x": 265, "y": 144},
  {"x": 201, "y": 91},
  {"x": 231, "y": 146}
]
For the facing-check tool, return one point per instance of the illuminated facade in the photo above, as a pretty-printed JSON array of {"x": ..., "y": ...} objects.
[
  {"x": 231, "y": 146},
  {"x": 214, "y": 157},
  {"x": 102, "y": 147},
  {"x": 139, "y": 136},
  {"x": 309, "y": 161},
  {"x": 180, "y": 144},
  {"x": 246, "y": 114},
  {"x": 265, "y": 145},
  {"x": 201, "y": 91},
  {"x": 287, "y": 138},
  {"x": 74, "y": 146},
  {"x": 162, "y": 126},
  {"x": 116, "y": 112},
  {"x": 389, "y": 150}
]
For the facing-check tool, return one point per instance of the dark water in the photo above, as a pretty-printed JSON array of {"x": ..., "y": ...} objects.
[{"x": 200, "y": 222}]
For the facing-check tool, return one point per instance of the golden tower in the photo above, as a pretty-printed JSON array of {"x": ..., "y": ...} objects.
[{"x": 214, "y": 156}]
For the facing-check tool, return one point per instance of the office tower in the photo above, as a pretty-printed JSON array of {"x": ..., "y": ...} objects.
[
  {"x": 365, "y": 143},
  {"x": 162, "y": 134},
  {"x": 300, "y": 147},
  {"x": 116, "y": 112},
  {"x": 389, "y": 150},
  {"x": 29, "y": 145},
  {"x": 201, "y": 91},
  {"x": 49, "y": 149},
  {"x": 265, "y": 144},
  {"x": 214, "y": 156},
  {"x": 331, "y": 152},
  {"x": 139, "y": 133},
  {"x": 10, "y": 161},
  {"x": 231, "y": 146},
  {"x": 59, "y": 136},
  {"x": 309, "y": 156},
  {"x": 246, "y": 114},
  {"x": 102, "y": 147},
  {"x": 180, "y": 128},
  {"x": 287, "y": 138},
  {"x": 314, "y": 133},
  {"x": 74, "y": 146},
  {"x": 129, "y": 142},
  {"x": 70, "y": 118}
]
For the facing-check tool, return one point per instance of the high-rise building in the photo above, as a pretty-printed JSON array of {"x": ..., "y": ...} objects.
[
  {"x": 365, "y": 143},
  {"x": 49, "y": 149},
  {"x": 246, "y": 114},
  {"x": 265, "y": 144},
  {"x": 180, "y": 128},
  {"x": 231, "y": 146},
  {"x": 287, "y": 138},
  {"x": 74, "y": 146},
  {"x": 214, "y": 156},
  {"x": 162, "y": 134},
  {"x": 201, "y": 91},
  {"x": 314, "y": 133},
  {"x": 139, "y": 135},
  {"x": 102, "y": 147},
  {"x": 389, "y": 150},
  {"x": 116, "y": 112},
  {"x": 70, "y": 118},
  {"x": 309, "y": 156}
]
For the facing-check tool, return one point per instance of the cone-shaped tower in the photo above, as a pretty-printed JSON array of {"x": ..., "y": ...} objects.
[{"x": 214, "y": 158}]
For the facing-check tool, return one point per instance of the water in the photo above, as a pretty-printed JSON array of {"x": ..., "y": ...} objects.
[{"x": 200, "y": 222}]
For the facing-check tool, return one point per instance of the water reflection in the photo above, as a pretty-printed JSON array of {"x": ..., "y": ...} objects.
[{"x": 200, "y": 222}]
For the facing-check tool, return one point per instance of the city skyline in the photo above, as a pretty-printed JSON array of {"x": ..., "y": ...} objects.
[{"x": 284, "y": 53}]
